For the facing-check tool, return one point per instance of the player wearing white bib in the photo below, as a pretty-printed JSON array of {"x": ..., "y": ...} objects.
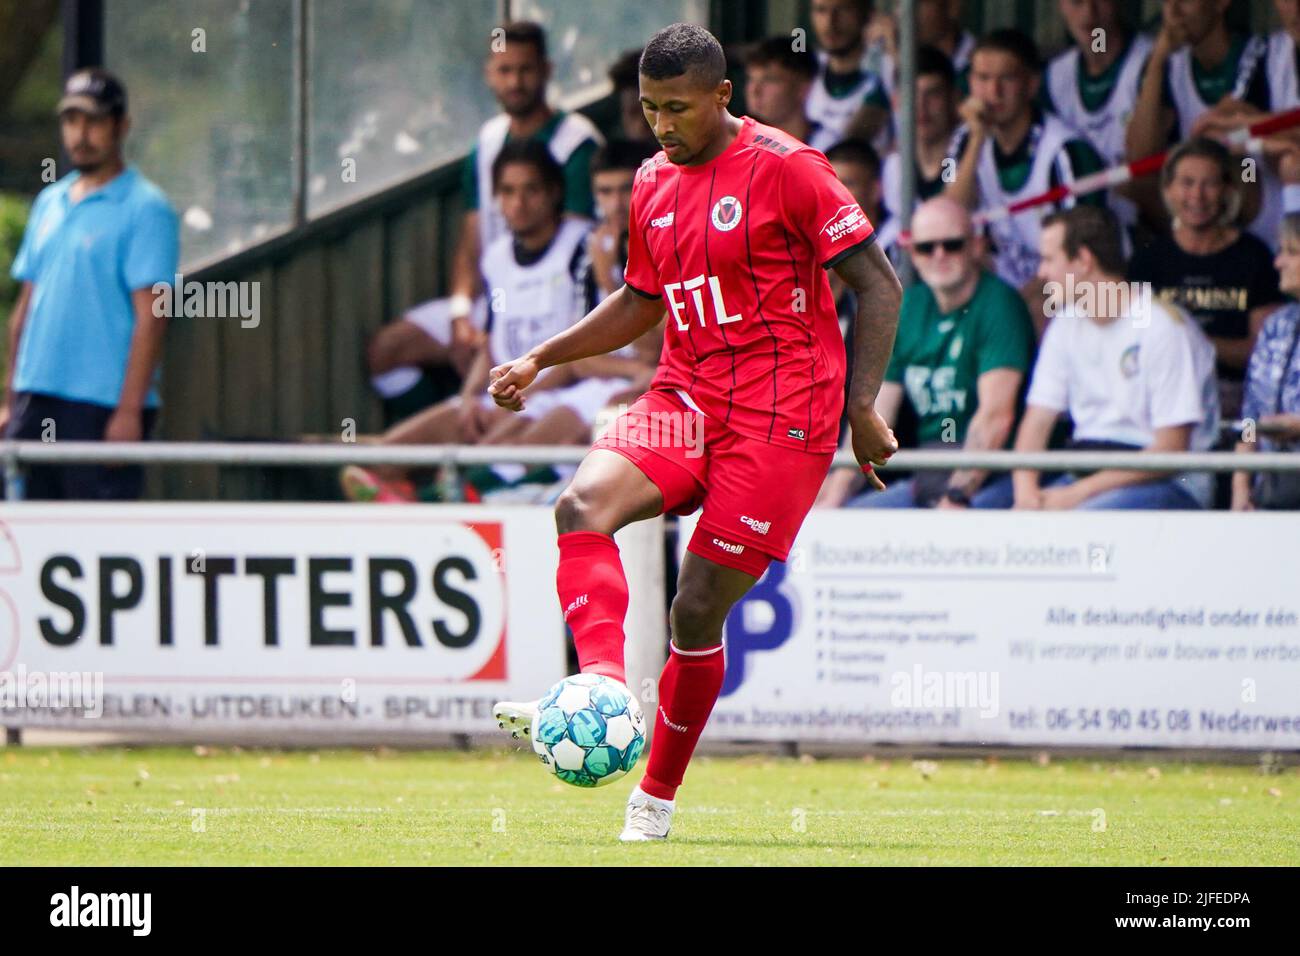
[
  {"x": 1284, "y": 57},
  {"x": 936, "y": 121},
  {"x": 538, "y": 281},
  {"x": 846, "y": 99},
  {"x": 1009, "y": 150},
  {"x": 1093, "y": 86},
  {"x": 1281, "y": 149},
  {"x": 1284, "y": 92},
  {"x": 518, "y": 75},
  {"x": 447, "y": 330},
  {"x": 1203, "y": 79}
]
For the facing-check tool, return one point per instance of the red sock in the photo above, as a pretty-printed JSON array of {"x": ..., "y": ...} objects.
[
  {"x": 593, "y": 594},
  {"x": 688, "y": 689}
]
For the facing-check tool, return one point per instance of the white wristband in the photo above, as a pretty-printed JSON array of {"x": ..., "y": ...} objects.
[{"x": 461, "y": 305}]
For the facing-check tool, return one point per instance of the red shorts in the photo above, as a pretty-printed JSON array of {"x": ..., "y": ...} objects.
[{"x": 755, "y": 495}]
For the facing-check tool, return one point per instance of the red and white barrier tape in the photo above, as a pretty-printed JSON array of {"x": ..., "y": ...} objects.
[{"x": 1249, "y": 136}]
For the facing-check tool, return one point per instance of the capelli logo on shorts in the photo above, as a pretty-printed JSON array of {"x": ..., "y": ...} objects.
[
  {"x": 729, "y": 547},
  {"x": 796, "y": 433},
  {"x": 759, "y": 527}
]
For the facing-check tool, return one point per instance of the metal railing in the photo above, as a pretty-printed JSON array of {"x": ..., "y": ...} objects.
[{"x": 15, "y": 456}]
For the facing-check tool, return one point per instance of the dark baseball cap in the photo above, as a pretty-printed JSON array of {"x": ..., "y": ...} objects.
[{"x": 95, "y": 91}]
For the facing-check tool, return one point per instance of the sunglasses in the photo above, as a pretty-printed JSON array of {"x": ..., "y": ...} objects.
[{"x": 949, "y": 245}]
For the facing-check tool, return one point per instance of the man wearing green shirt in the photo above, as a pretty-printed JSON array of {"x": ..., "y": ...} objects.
[{"x": 964, "y": 348}]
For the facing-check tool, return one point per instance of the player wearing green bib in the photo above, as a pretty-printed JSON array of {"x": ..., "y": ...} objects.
[
  {"x": 1008, "y": 150},
  {"x": 1093, "y": 86}
]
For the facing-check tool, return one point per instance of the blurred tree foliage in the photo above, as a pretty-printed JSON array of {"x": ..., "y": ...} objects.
[
  {"x": 31, "y": 44},
  {"x": 24, "y": 24},
  {"x": 13, "y": 219}
]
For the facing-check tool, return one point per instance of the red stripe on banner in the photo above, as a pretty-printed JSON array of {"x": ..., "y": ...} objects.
[
  {"x": 1116, "y": 174},
  {"x": 1052, "y": 195},
  {"x": 1147, "y": 165},
  {"x": 1273, "y": 124}
]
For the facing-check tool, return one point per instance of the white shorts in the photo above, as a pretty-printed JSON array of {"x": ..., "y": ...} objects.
[
  {"x": 584, "y": 398},
  {"x": 433, "y": 317}
]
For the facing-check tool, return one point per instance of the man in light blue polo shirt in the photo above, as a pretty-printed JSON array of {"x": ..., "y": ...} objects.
[{"x": 84, "y": 339}]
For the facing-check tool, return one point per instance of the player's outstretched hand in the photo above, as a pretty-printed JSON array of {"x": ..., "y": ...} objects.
[
  {"x": 506, "y": 383},
  {"x": 873, "y": 444}
]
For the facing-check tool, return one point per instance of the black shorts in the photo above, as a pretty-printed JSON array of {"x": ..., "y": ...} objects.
[{"x": 36, "y": 417}]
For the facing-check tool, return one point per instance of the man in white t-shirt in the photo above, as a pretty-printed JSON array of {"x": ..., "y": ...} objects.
[{"x": 1131, "y": 372}]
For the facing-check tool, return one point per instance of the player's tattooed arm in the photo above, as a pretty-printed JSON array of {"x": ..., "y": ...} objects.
[
  {"x": 879, "y": 294},
  {"x": 618, "y": 321}
]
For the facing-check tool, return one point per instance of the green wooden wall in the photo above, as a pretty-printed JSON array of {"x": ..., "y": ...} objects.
[{"x": 324, "y": 290}]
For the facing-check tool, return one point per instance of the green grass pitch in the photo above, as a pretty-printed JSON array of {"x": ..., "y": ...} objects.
[{"x": 169, "y": 806}]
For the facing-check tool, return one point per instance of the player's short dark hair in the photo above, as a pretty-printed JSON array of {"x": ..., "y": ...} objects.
[
  {"x": 856, "y": 151},
  {"x": 780, "y": 50},
  {"x": 534, "y": 153},
  {"x": 684, "y": 48},
  {"x": 622, "y": 154},
  {"x": 1015, "y": 42},
  {"x": 526, "y": 32},
  {"x": 623, "y": 71},
  {"x": 1095, "y": 229},
  {"x": 931, "y": 61}
]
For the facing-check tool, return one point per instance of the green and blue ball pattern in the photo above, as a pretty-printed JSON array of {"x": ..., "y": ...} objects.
[{"x": 589, "y": 730}]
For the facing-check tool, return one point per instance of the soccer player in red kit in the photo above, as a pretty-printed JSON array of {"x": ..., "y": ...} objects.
[{"x": 733, "y": 226}]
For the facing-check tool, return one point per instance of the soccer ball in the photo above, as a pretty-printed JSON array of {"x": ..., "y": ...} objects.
[{"x": 589, "y": 730}]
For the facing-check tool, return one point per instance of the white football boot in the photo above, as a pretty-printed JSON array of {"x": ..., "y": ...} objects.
[
  {"x": 647, "y": 818},
  {"x": 516, "y": 717}
]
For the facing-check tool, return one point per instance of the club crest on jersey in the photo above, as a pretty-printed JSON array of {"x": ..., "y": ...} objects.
[{"x": 726, "y": 214}]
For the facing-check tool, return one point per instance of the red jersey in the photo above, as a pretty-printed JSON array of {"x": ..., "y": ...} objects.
[{"x": 738, "y": 248}]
